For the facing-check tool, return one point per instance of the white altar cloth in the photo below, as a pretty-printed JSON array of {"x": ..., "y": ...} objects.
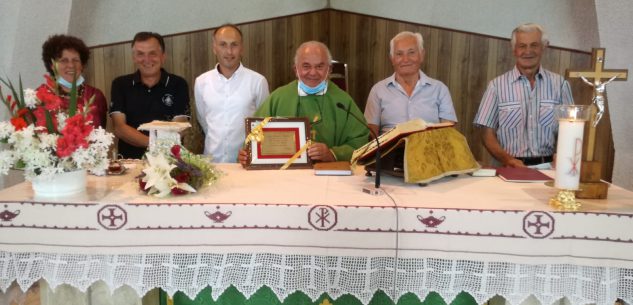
[{"x": 291, "y": 230}]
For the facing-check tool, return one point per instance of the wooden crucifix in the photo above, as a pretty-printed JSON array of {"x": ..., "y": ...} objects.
[{"x": 598, "y": 78}]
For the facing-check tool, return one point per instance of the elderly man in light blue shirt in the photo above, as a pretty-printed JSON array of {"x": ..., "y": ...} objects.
[{"x": 408, "y": 93}]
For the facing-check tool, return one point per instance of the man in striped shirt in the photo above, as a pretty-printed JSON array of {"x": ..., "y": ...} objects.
[{"x": 517, "y": 110}]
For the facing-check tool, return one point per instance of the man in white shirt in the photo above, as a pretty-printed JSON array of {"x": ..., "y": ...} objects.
[{"x": 226, "y": 95}]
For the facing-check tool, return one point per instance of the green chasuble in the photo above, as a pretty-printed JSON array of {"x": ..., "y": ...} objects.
[{"x": 332, "y": 126}]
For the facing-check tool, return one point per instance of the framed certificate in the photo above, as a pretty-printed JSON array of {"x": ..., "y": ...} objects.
[{"x": 283, "y": 137}]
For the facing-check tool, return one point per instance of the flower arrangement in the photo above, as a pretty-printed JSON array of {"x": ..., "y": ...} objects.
[
  {"x": 178, "y": 173},
  {"x": 47, "y": 135}
]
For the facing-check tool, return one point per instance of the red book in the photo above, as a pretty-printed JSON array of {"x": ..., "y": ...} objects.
[{"x": 521, "y": 174}]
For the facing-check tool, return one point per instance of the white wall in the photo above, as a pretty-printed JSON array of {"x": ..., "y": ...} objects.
[
  {"x": 24, "y": 25},
  {"x": 101, "y": 22},
  {"x": 615, "y": 24},
  {"x": 8, "y": 24},
  {"x": 570, "y": 23}
]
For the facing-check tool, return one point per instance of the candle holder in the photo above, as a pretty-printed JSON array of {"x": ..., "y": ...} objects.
[{"x": 571, "y": 126}]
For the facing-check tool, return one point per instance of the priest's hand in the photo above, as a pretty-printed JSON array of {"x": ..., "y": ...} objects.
[
  {"x": 242, "y": 157},
  {"x": 320, "y": 152}
]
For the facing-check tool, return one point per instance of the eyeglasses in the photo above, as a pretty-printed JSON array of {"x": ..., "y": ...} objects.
[{"x": 66, "y": 61}]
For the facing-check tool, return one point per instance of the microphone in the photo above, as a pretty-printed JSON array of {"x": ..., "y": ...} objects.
[{"x": 377, "y": 190}]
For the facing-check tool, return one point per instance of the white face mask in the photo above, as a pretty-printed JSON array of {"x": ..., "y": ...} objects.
[
  {"x": 69, "y": 85},
  {"x": 312, "y": 90}
]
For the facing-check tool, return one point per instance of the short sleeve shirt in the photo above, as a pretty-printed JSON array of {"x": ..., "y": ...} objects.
[
  {"x": 164, "y": 101},
  {"x": 524, "y": 116},
  {"x": 388, "y": 104}
]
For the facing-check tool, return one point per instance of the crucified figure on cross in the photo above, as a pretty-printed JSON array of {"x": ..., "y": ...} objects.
[{"x": 598, "y": 95}]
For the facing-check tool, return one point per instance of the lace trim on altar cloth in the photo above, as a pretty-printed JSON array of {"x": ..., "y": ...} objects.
[{"x": 314, "y": 275}]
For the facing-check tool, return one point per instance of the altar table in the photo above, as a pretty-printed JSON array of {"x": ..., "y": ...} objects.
[{"x": 294, "y": 231}]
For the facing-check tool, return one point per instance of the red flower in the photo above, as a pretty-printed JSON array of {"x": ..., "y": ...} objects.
[
  {"x": 40, "y": 118},
  {"x": 18, "y": 123},
  {"x": 63, "y": 148},
  {"x": 50, "y": 82},
  {"x": 11, "y": 103},
  {"x": 51, "y": 100},
  {"x": 142, "y": 184},
  {"x": 74, "y": 136},
  {"x": 178, "y": 191},
  {"x": 182, "y": 177},
  {"x": 22, "y": 112},
  {"x": 175, "y": 150}
]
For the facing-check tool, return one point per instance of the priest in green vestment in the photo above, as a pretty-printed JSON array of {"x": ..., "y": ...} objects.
[{"x": 335, "y": 132}]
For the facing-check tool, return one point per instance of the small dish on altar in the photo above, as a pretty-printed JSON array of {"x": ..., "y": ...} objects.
[{"x": 116, "y": 168}]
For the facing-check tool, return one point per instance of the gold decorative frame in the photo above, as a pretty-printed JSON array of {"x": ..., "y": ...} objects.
[{"x": 283, "y": 137}]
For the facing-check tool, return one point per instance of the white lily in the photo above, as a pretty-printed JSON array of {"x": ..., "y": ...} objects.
[{"x": 157, "y": 176}]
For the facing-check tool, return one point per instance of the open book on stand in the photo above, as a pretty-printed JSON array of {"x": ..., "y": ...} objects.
[
  {"x": 391, "y": 139},
  {"x": 420, "y": 152}
]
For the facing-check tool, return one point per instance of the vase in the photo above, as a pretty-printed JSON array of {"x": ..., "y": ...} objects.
[{"x": 59, "y": 185}]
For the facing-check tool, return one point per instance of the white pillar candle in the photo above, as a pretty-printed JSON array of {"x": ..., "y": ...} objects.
[{"x": 569, "y": 153}]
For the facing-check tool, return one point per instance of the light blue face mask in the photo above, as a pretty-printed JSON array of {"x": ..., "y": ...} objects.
[
  {"x": 313, "y": 90},
  {"x": 69, "y": 85}
]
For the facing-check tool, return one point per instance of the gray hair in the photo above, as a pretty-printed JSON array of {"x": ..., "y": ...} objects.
[
  {"x": 313, "y": 43},
  {"x": 406, "y": 34},
  {"x": 529, "y": 28}
]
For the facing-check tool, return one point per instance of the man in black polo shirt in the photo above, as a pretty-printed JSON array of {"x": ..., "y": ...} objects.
[{"x": 150, "y": 93}]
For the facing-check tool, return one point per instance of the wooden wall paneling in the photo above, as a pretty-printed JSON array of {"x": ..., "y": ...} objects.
[
  {"x": 169, "y": 61},
  {"x": 94, "y": 73},
  {"x": 260, "y": 55},
  {"x": 354, "y": 59},
  {"x": 116, "y": 58},
  {"x": 210, "y": 55},
  {"x": 180, "y": 58},
  {"x": 550, "y": 59},
  {"x": 505, "y": 59},
  {"x": 373, "y": 52},
  {"x": 565, "y": 62},
  {"x": 477, "y": 83},
  {"x": 308, "y": 30},
  {"x": 181, "y": 62},
  {"x": 364, "y": 62},
  {"x": 354, "y": 63},
  {"x": 248, "y": 55},
  {"x": 282, "y": 56},
  {"x": 270, "y": 55},
  {"x": 321, "y": 30},
  {"x": 380, "y": 62},
  {"x": 444, "y": 56},
  {"x": 199, "y": 50},
  {"x": 491, "y": 63},
  {"x": 294, "y": 38},
  {"x": 458, "y": 76},
  {"x": 431, "y": 45},
  {"x": 339, "y": 37},
  {"x": 491, "y": 67}
]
